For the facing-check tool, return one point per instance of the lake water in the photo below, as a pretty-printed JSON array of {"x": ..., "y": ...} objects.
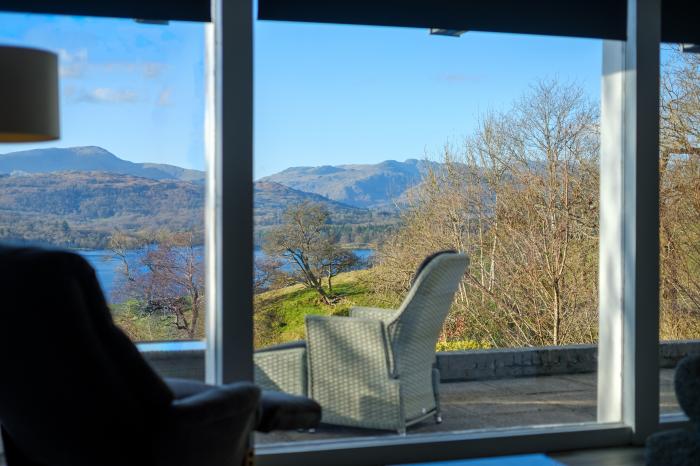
[{"x": 106, "y": 265}]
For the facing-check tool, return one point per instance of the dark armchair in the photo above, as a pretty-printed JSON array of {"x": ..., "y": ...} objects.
[{"x": 74, "y": 390}]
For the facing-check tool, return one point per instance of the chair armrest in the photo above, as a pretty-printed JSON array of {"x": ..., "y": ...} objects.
[
  {"x": 377, "y": 313},
  {"x": 282, "y": 369},
  {"x": 280, "y": 411},
  {"x": 209, "y": 426},
  {"x": 237, "y": 400}
]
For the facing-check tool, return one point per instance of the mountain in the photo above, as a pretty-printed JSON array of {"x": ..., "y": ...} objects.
[
  {"x": 79, "y": 196},
  {"x": 367, "y": 186},
  {"x": 90, "y": 158},
  {"x": 82, "y": 209},
  {"x": 272, "y": 199}
]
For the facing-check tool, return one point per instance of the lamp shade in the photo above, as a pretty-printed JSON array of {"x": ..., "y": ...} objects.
[{"x": 28, "y": 95}]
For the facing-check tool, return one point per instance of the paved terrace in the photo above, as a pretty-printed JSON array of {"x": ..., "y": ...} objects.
[
  {"x": 479, "y": 389},
  {"x": 488, "y": 404}
]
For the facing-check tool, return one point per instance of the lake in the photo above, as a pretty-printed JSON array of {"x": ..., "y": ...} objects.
[{"x": 107, "y": 266}]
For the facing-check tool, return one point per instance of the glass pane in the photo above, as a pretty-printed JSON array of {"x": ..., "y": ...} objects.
[
  {"x": 124, "y": 186},
  {"x": 679, "y": 214},
  {"x": 377, "y": 147}
]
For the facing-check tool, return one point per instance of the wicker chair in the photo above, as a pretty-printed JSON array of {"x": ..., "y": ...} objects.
[{"x": 374, "y": 369}]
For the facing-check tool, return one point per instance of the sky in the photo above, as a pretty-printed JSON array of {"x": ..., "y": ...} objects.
[{"x": 324, "y": 94}]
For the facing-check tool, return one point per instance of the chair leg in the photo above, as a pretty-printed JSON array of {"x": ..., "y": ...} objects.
[
  {"x": 13, "y": 456},
  {"x": 436, "y": 393}
]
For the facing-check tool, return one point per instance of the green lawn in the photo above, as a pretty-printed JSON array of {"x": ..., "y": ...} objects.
[{"x": 279, "y": 314}]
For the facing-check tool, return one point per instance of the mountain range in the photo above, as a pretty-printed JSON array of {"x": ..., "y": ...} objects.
[
  {"x": 91, "y": 158},
  {"x": 377, "y": 186},
  {"x": 77, "y": 196}
]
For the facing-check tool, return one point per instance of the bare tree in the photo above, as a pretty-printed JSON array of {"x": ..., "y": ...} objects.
[
  {"x": 679, "y": 208},
  {"x": 165, "y": 275},
  {"x": 304, "y": 241},
  {"x": 268, "y": 274},
  {"x": 521, "y": 200}
]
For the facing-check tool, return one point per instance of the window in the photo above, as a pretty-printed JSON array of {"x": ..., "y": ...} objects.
[
  {"x": 628, "y": 394},
  {"x": 125, "y": 185},
  {"x": 377, "y": 147},
  {"x": 678, "y": 213}
]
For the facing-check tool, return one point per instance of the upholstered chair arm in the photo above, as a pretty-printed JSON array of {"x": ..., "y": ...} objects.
[{"x": 209, "y": 427}]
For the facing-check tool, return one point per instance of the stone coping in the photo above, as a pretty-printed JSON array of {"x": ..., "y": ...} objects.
[{"x": 187, "y": 361}]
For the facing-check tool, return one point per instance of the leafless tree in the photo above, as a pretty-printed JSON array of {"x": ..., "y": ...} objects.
[
  {"x": 165, "y": 275},
  {"x": 521, "y": 199},
  {"x": 304, "y": 241}
]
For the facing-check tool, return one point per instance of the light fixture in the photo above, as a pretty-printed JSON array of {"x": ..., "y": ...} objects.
[
  {"x": 446, "y": 32},
  {"x": 28, "y": 95}
]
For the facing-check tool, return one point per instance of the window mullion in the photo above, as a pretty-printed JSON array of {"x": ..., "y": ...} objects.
[{"x": 640, "y": 239}]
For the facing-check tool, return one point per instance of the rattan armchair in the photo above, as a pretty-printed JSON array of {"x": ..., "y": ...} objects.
[{"x": 375, "y": 369}]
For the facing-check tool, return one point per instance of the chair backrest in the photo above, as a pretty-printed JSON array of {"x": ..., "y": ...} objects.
[
  {"x": 73, "y": 389},
  {"x": 416, "y": 328}
]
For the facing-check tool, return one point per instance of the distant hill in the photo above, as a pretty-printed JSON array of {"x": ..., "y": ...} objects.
[
  {"x": 366, "y": 186},
  {"x": 79, "y": 196},
  {"x": 272, "y": 199},
  {"x": 90, "y": 158},
  {"x": 82, "y": 209}
]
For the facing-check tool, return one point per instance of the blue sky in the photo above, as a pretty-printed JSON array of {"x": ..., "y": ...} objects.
[{"x": 324, "y": 94}]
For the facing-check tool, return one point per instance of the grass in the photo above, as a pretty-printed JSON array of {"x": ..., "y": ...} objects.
[
  {"x": 150, "y": 327},
  {"x": 279, "y": 314}
]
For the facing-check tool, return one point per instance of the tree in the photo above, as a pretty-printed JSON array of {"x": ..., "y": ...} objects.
[
  {"x": 303, "y": 240},
  {"x": 337, "y": 260},
  {"x": 679, "y": 209},
  {"x": 165, "y": 275},
  {"x": 268, "y": 274},
  {"x": 521, "y": 200}
]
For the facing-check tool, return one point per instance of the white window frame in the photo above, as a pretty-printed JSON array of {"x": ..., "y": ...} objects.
[{"x": 628, "y": 388}]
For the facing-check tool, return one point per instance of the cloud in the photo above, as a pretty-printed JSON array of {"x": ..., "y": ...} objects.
[
  {"x": 149, "y": 70},
  {"x": 165, "y": 97},
  {"x": 72, "y": 64},
  {"x": 75, "y": 64},
  {"x": 153, "y": 69},
  {"x": 107, "y": 95}
]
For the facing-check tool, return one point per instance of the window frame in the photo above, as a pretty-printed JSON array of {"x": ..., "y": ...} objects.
[{"x": 628, "y": 396}]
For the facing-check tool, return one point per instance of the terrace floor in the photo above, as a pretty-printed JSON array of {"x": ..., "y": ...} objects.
[{"x": 500, "y": 403}]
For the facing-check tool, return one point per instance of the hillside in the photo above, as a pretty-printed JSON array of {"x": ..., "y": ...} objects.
[
  {"x": 81, "y": 209},
  {"x": 368, "y": 186},
  {"x": 78, "y": 196},
  {"x": 272, "y": 199},
  {"x": 90, "y": 158},
  {"x": 279, "y": 314}
]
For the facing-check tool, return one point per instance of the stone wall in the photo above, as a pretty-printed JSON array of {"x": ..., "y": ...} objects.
[
  {"x": 457, "y": 366},
  {"x": 187, "y": 364}
]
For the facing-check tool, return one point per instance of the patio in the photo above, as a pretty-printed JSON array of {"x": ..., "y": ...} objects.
[{"x": 499, "y": 403}]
